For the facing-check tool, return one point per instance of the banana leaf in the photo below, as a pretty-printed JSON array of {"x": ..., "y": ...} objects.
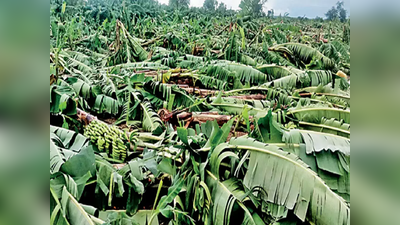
[{"x": 302, "y": 190}]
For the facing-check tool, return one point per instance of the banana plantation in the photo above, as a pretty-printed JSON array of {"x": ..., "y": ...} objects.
[{"x": 167, "y": 115}]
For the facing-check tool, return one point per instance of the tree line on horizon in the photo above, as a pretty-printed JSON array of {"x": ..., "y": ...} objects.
[{"x": 255, "y": 8}]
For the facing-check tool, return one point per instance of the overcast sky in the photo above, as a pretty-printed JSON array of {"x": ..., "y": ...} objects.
[{"x": 310, "y": 8}]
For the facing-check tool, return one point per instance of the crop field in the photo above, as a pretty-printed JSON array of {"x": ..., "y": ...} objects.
[{"x": 164, "y": 114}]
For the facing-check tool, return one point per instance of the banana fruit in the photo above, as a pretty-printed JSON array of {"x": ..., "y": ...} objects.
[{"x": 108, "y": 139}]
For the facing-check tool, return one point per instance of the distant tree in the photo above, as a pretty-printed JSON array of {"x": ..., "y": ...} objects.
[
  {"x": 179, "y": 3},
  {"x": 342, "y": 11},
  {"x": 332, "y": 14},
  {"x": 319, "y": 19},
  {"x": 252, "y": 7},
  {"x": 337, "y": 12},
  {"x": 271, "y": 13},
  {"x": 222, "y": 7},
  {"x": 210, "y": 4}
]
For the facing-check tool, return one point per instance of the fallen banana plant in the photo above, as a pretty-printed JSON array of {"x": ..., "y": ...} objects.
[{"x": 175, "y": 115}]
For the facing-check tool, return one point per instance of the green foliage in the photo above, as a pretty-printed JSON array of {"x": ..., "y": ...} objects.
[
  {"x": 61, "y": 100},
  {"x": 197, "y": 115},
  {"x": 332, "y": 14},
  {"x": 270, "y": 161},
  {"x": 210, "y": 5},
  {"x": 337, "y": 12},
  {"x": 221, "y": 7},
  {"x": 127, "y": 48},
  {"x": 252, "y": 7},
  {"x": 179, "y": 3},
  {"x": 304, "y": 55}
]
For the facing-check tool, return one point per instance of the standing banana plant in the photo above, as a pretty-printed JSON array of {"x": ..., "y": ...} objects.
[{"x": 126, "y": 48}]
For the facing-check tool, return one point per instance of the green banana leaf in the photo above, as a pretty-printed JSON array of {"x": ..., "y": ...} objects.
[{"x": 301, "y": 191}]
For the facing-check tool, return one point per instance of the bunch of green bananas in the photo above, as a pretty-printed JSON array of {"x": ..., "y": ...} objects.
[{"x": 108, "y": 138}]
